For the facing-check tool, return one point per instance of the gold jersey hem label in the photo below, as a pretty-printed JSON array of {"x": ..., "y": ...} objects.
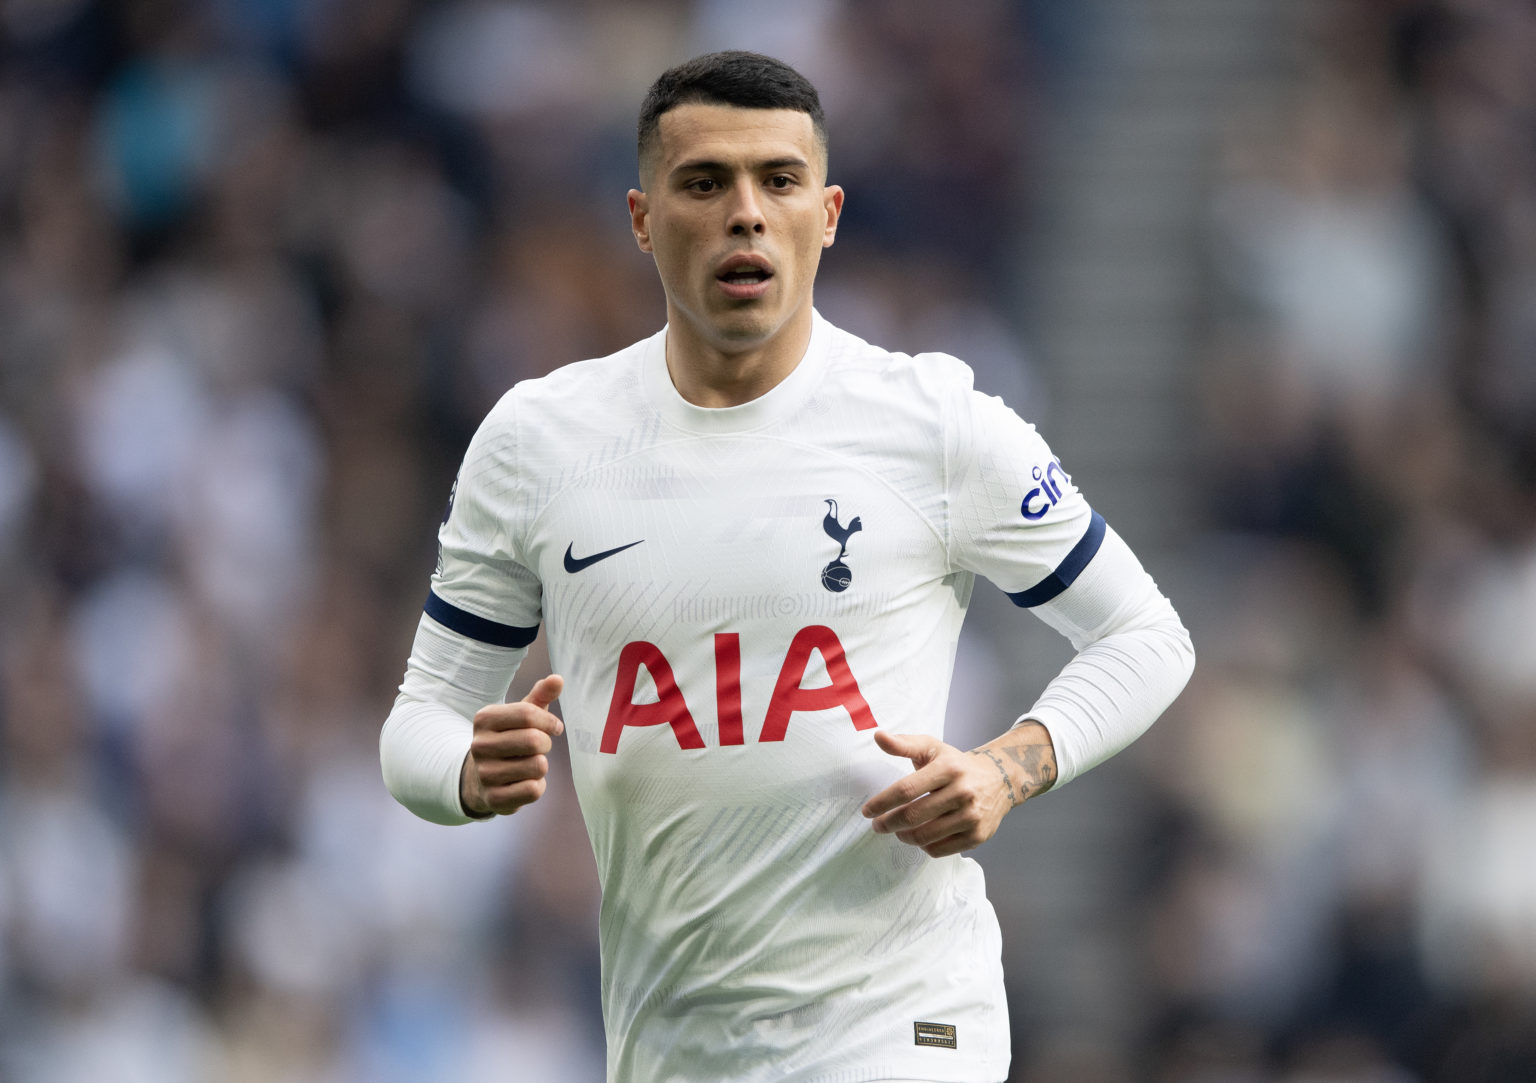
[{"x": 941, "y": 1035}]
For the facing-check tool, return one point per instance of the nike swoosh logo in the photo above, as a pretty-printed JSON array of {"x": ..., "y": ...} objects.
[{"x": 576, "y": 564}]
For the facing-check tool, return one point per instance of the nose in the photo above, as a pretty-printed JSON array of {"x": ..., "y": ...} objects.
[{"x": 746, "y": 213}]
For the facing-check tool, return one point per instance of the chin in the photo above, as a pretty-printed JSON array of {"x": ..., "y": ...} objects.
[{"x": 745, "y": 328}]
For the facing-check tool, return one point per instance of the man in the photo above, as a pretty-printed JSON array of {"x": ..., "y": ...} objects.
[{"x": 751, "y": 540}]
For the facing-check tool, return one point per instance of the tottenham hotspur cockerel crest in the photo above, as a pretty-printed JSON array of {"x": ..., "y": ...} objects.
[{"x": 836, "y": 576}]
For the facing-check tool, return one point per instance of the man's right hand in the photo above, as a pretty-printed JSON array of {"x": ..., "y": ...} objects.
[{"x": 507, "y": 758}]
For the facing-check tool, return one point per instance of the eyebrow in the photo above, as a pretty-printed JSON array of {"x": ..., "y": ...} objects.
[{"x": 709, "y": 165}]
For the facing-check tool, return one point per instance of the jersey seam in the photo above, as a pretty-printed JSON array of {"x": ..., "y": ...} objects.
[
  {"x": 945, "y": 423},
  {"x": 884, "y": 483},
  {"x": 533, "y": 522},
  {"x": 571, "y": 482},
  {"x": 514, "y": 545},
  {"x": 503, "y": 533},
  {"x": 684, "y": 435},
  {"x": 687, "y": 436}
]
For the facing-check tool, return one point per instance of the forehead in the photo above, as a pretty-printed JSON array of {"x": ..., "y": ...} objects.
[{"x": 730, "y": 133}]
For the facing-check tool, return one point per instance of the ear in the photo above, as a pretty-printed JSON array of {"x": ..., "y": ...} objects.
[
  {"x": 832, "y": 199},
  {"x": 639, "y": 218}
]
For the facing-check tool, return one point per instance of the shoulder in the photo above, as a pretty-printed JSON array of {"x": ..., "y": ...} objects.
[
  {"x": 926, "y": 399},
  {"x": 580, "y": 386},
  {"x": 921, "y": 384},
  {"x": 581, "y": 394}
]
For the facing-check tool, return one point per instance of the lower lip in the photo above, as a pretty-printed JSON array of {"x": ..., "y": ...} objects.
[{"x": 744, "y": 291}]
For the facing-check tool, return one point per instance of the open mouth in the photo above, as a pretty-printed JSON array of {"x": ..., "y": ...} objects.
[{"x": 744, "y": 276}]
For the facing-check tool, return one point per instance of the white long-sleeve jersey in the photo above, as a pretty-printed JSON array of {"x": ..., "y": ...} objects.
[{"x": 736, "y": 598}]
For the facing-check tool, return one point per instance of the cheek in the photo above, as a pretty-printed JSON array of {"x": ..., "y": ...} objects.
[
  {"x": 670, "y": 258},
  {"x": 675, "y": 250},
  {"x": 808, "y": 249},
  {"x": 809, "y": 232}
]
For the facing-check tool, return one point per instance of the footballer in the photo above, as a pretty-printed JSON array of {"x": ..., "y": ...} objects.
[{"x": 751, "y": 539}]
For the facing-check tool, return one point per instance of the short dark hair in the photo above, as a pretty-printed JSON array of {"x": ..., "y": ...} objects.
[{"x": 734, "y": 77}]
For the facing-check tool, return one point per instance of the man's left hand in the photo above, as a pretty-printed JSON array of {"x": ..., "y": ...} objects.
[{"x": 954, "y": 801}]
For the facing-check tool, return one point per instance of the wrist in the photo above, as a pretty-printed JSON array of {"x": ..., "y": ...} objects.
[
  {"x": 471, "y": 794},
  {"x": 1029, "y": 757},
  {"x": 1009, "y": 787}
]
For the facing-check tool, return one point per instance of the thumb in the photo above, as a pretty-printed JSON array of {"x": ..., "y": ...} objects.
[
  {"x": 545, "y": 691},
  {"x": 916, "y": 747}
]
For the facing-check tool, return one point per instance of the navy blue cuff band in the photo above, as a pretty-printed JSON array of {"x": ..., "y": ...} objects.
[
  {"x": 1067, "y": 571},
  {"x": 486, "y": 631}
]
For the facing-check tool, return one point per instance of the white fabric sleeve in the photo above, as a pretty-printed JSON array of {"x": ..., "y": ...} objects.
[
  {"x": 482, "y": 613},
  {"x": 483, "y": 587},
  {"x": 1134, "y": 656},
  {"x": 426, "y": 736},
  {"x": 1014, "y": 515}
]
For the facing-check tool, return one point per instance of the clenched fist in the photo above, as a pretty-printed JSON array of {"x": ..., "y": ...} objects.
[{"x": 508, "y": 756}]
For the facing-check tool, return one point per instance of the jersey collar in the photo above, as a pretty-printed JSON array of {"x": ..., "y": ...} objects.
[{"x": 778, "y": 402}]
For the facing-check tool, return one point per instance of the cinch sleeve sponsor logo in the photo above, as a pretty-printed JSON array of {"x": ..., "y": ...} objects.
[{"x": 1043, "y": 497}]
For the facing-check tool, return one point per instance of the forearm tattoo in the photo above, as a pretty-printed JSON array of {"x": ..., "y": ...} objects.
[
  {"x": 1013, "y": 797},
  {"x": 1039, "y": 763}
]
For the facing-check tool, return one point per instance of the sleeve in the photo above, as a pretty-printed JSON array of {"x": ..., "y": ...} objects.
[
  {"x": 481, "y": 614},
  {"x": 1133, "y": 658},
  {"x": 426, "y": 736},
  {"x": 483, "y": 588},
  {"x": 1014, "y": 515},
  {"x": 1017, "y": 518}
]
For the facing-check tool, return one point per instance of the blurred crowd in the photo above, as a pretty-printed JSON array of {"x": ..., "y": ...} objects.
[
  {"x": 264, "y": 265},
  {"x": 1350, "y": 781}
]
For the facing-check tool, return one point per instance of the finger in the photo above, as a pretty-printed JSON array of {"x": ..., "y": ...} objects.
[
  {"x": 510, "y": 744},
  {"x": 910, "y": 788},
  {"x": 519, "y": 715},
  {"x": 955, "y": 844},
  {"x": 917, "y": 747},
  {"x": 545, "y": 691},
  {"x": 503, "y": 799},
  {"x": 905, "y": 817},
  {"x": 938, "y": 829},
  {"x": 506, "y": 772}
]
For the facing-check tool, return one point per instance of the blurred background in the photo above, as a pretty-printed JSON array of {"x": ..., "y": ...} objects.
[{"x": 1263, "y": 272}]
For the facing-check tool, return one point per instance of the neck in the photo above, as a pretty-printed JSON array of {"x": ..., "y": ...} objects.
[{"x": 705, "y": 374}]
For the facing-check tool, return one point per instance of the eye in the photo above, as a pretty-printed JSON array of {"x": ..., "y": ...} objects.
[
  {"x": 703, "y": 184},
  {"x": 781, "y": 181}
]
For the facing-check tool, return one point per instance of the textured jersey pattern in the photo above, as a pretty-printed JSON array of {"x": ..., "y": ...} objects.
[{"x": 773, "y": 580}]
